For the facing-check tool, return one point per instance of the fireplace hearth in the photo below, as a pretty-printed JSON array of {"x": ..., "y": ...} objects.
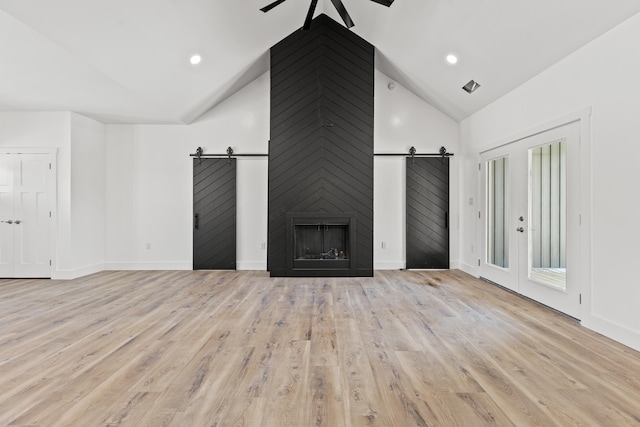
[{"x": 320, "y": 244}]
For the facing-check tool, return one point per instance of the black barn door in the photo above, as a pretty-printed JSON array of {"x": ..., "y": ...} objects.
[
  {"x": 214, "y": 214},
  {"x": 428, "y": 212}
]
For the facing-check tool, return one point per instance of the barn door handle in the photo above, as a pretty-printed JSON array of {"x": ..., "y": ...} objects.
[{"x": 196, "y": 221}]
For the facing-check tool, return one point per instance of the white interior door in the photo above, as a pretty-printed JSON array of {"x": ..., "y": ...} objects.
[
  {"x": 25, "y": 213},
  {"x": 6, "y": 216},
  {"x": 532, "y": 222}
]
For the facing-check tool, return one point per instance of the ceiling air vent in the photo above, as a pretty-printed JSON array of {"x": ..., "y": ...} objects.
[{"x": 471, "y": 86}]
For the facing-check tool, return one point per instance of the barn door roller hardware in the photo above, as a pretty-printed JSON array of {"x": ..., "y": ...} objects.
[
  {"x": 199, "y": 154},
  {"x": 413, "y": 153}
]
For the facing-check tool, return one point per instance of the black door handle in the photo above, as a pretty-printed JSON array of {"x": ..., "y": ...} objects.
[
  {"x": 196, "y": 221},
  {"x": 446, "y": 220}
]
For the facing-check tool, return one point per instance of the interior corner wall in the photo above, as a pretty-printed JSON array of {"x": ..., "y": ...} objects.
[
  {"x": 80, "y": 177},
  {"x": 403, "y": 120},
  {"x": 601, "y": 76},
  {"x": 47, "y": 129},
  {"x": 88, "y": 194},
  {"x": 120, "y": 196}
]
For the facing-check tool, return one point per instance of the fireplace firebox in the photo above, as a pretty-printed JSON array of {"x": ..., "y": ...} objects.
[{"x": 320, "y": 244}]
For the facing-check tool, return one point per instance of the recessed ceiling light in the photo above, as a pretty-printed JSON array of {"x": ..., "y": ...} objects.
[
  {"x": 452, "y": 59},
  {"x": 195, "y": 59}
]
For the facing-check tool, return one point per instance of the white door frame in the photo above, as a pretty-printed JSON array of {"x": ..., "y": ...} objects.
[
  {"x": 52, "y": 190},
  {"x": 585, "y": 272}
]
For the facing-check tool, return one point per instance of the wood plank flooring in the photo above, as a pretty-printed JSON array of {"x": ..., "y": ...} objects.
[{"x": 241, "y": 349}]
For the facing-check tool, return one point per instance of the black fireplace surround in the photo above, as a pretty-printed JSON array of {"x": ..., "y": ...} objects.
[
  {"x": 321, "y": 243},
  {"x": 321, "y": 154}
]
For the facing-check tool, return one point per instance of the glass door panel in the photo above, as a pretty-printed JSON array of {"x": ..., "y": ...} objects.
[
  {"x": 548, "y": 214},
  {"x": 498, "y": 212},
  {"x": 499, "y": 259}
]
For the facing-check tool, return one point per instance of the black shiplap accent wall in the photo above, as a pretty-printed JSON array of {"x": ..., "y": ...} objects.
[{"x": 321, "y": 146}]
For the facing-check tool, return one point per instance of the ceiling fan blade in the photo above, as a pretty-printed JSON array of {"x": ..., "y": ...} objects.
[
  {"x": 384, "y": 2},
  {"x": 270, "y": 6},
  {"x": 312, "y": 9},
  {"x": 343, "y": 13}
]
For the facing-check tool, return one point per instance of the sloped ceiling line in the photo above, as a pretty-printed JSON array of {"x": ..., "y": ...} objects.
[{"x": 127, "y": 61}]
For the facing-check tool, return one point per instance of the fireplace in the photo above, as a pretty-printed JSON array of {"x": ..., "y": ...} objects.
[
  {"x": 321, "y": 153},
  {"x": 321, "y": 244}
]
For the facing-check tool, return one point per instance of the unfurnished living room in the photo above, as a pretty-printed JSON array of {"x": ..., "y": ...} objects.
[{"x": 319, "y": 213}]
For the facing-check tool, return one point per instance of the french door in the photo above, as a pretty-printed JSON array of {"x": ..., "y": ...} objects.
[
  {"x": 531, "y": 233},
  {"x": 25, "y": 215}
]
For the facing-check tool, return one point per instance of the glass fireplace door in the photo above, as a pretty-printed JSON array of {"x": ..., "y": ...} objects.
[{"x": 321, "y": 242}]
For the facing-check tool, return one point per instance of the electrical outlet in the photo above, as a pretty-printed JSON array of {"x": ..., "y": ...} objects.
[
  {"x": 148, "y": 246},
  {"x": 263, "y": 245}
]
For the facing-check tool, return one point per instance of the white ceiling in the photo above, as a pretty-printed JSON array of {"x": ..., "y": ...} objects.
[{"x": 127, "y": 61}]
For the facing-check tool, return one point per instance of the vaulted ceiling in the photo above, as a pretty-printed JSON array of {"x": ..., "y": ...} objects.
[{"x": 127, "y": 61}]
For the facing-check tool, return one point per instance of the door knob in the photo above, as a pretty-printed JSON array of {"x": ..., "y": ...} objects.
[
  {"x": 520, "y": 229},
  {"x": 8, "y": 222},
  {"x": 17, "y": 221}
]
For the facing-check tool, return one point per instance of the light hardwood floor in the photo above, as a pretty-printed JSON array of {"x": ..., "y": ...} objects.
[{"x": 241, "y": 349}]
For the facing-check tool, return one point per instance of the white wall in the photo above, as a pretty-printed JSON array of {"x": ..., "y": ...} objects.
[
  {"x": 150, "y": 183},
  {"x": 120, "y": 157},
  {"x": 149, "y": 178},
  {"x": 80, "y": 176},
  {"x": 403, "y": 120},
  {"x": 87, "y": 195},
  {"x": 602, "y": 76},
  {"x": 46, "y": 129}
]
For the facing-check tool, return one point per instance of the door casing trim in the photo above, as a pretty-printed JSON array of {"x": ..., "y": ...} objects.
[{"x": 52, "y": 189}]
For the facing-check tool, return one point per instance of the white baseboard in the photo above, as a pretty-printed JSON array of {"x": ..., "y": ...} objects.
[
  {"x": 469, "y": 269},
  {"x": 389, "y": 265},
  {"x": 148, "y": 265},
  {"x": 401, "y": 265},
  {"x": 612, "y": 330},
  {"x": 77, "y": 272},
  {"x": 251, "y": 265},
  {"x": 246, "y": 265}
]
